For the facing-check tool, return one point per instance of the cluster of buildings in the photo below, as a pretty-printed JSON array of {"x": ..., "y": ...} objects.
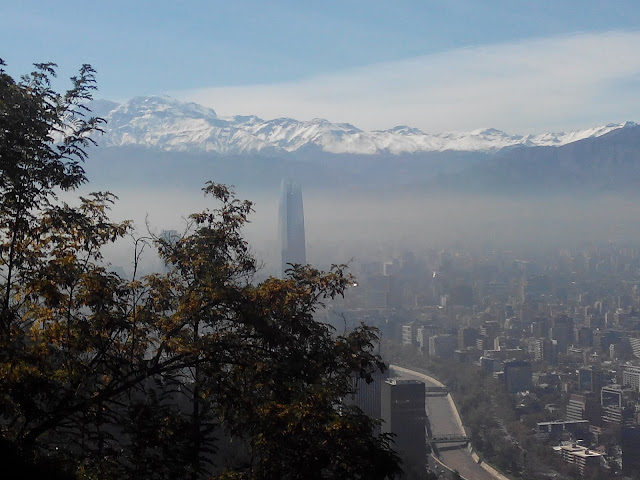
[{"x": 566, "y": 321}]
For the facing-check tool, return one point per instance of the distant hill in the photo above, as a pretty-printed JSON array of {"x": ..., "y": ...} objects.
[{"x": 609, "y": 163}]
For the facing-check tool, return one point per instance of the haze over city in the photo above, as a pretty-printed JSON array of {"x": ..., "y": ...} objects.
[
  {"x": 476, "y": 166},
  {"x": 520, "y": 67}
]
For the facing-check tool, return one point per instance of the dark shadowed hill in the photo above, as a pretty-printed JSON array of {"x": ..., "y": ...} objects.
[
  {"x": 610, "y": 163},
  {"x": 117, "y": 167}
]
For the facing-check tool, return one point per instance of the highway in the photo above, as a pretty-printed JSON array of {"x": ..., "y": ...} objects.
[{"x": 444, "y": 419}]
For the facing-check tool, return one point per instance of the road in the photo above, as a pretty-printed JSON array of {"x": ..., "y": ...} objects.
[{"x": 444, "y": 419}]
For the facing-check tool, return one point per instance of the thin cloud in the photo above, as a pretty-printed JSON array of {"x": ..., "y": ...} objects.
[{"x": 557, "y": 83}]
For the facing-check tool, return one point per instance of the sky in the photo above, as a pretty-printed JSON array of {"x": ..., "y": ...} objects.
[{"x": 454, "y": 65}]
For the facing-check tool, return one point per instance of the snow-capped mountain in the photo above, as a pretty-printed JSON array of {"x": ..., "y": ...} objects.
[{"x": 170, "y": 125}]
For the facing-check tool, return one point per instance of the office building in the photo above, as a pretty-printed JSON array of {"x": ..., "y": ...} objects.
[
  {"x": 517, "y": 375},
  {"x": 562, "y": 331},
  {"x": 545, "y": 350},
  {"x": 420, "y": 339},
  {"x": 407, "y": 334},
  {"x": 442, "y": 346},
  {"x": 615, "y": 400},
  {"x": 584, "y": 336},
  {"x": 377, "y": 289},
  {"x": 368, "y": 395},
  {"x": 467, "y": 337},
  {"x": 556, "y": 428},
  {"x": 635, "y": 346},
  {"x": 631, "y": 378},
  {"x": 291, "y": 226},
  {"x": 631, "y": 450},
  {"x": 590, "y": 379},
  {"x": 612, "y": 395},
  {"x": 403, "y": 414},
  {"x": 584, "y": 406}
]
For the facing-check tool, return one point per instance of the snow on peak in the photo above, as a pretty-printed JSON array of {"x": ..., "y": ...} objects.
[
  {"x": 165, "y": 123},
  {"x": 404, "y": 130}
]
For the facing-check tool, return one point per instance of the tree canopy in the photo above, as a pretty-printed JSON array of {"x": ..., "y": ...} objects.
[{"x": 195, "y": 372}]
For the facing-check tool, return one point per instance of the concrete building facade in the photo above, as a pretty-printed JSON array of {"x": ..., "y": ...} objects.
[{"x": 403, "y": 414}]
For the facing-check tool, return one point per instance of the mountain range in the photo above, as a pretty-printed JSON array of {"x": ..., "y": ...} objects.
[
  {"x": 170, "y": 125},
  {"x": 159, "y": 140}
]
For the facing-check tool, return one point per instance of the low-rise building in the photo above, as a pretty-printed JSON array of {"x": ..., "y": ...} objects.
[
  {"x": 581, "y": 457},
  {"x": 557, "y": 428}
]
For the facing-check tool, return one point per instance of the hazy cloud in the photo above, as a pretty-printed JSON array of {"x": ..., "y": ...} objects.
[{"x": 557, "y": 83}]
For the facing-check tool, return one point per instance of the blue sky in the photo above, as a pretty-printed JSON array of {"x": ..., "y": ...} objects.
[{"x": 521, "y": 66}]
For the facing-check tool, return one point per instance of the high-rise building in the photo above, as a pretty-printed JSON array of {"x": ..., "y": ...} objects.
[
  {"x": 617, "y": 404},
  {"x": 291, "y": 226},
  {"x": 631, "y": 449},
  {"x": 584, "y": 406},
  {"x": 376, "y": 288},
  {"x": 545, "y": 349},
  {"x": 442, "y": 346},
  {"x": 517, "y": 375},
  {"x": 631, "y": 377},
  {"x": 407, "y": 334},
  {"x": 403, "y": 414},
  {"x": 562, "y": 331},
  {"x": 590, "y": 379},
  {"x": 367, "y": 396},
  {"x": 467, "y": 337}
]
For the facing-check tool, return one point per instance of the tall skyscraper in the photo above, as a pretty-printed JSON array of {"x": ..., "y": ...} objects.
[{"x": 291, "y": 226}]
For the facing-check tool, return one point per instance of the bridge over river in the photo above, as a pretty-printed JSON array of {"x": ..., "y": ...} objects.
[
  {"x": 443, "y": 439},
  {"x": 436, "y": 391},
  {"x": 446, "y": 428}
]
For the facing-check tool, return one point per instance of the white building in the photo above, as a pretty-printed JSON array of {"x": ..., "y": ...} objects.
[
  {"x": 581, "y": 457},
  {"x": 631, "y": 376}
]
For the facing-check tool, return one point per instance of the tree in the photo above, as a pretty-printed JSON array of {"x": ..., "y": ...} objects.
[
  {"x": 276, "y": 375},
  {"x": 61, "y": 324},
  {"x": 153, "y": 377},
  {"x": 33, "y": 167}
]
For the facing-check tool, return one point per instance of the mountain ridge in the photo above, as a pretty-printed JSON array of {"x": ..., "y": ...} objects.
[{"x": 167, "y": 124}]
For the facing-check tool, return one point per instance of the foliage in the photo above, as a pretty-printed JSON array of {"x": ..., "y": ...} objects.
[{"x": 160, "y": 376}]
